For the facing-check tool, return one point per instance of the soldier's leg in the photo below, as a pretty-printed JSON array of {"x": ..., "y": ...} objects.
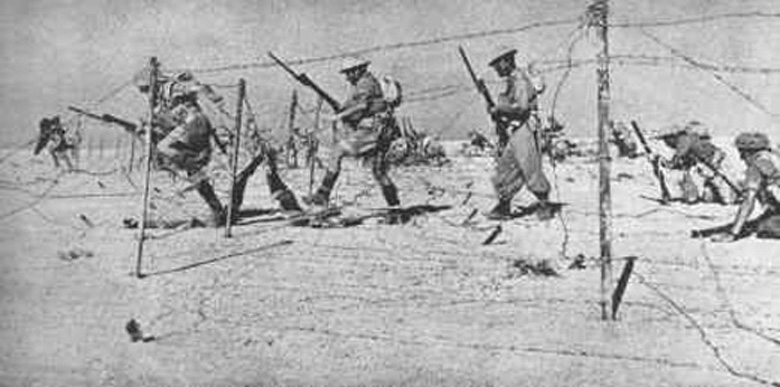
[
  {"x": 206, "y": 191},
  {"x": 279, "y": 189},
  {"x": 507, "y": 182},
  {"x": 690, "y": 192},
  {"x": 239, "y": 188},
  {"x": 322, "y": 195},
  {"x": 379, "y": 169},
  {"x": 529, "y": 158}
]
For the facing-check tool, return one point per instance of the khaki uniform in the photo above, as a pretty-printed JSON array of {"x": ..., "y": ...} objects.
[
  {"x": 188, "y": 147},
  {"x": 520, "y": 162},
  {"x": 699, "y": 182},
  {"x": 367, "y": 132},
  {"x": 763, "y": 176}
]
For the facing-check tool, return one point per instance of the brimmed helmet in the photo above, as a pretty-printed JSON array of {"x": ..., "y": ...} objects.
[
  {"x": 501, "y": 53},
  {"x": 350, "y": 63}
]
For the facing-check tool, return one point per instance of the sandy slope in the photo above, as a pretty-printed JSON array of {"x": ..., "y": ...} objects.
[{"x": 417, "y": 304}]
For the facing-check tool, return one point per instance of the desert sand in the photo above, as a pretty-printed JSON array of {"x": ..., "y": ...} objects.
[{"x": 418, "y": 304}]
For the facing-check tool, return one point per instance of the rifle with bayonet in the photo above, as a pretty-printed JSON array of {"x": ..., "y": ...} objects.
[
  {"x": 306, "y": 81},
  {"x": 655, "y": 162},
  {"x": 503, "y": 137},
  {"x": 107, "y": 118}
]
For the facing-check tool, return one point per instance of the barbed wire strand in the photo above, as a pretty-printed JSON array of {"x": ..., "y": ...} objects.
[
  {"x": 391, "y": 46},
  {"x": 696, "y": 20},
  {"x": 747, "y": 97}
]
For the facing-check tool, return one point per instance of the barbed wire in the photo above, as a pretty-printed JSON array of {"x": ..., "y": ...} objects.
[
  {"x": 390, "y": 46},
  {"x": 696, "y": 20},
  {"x": 747, "y": 97}
]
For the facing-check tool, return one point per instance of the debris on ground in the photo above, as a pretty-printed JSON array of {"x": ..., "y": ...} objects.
[
  {"x": 74, "y": 254},
  {"x": 521, "y": 267}
]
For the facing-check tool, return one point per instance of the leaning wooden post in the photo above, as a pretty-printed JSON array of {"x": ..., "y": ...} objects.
[
  {"x": 154, "y": 66},
  {"x": 605, "y": 199},
  {"x": 312, "y": 151},
  {"x": 132, "y": 153},
  {"x": 291, "y": 148},
  {"x": 234, "y": 163}
]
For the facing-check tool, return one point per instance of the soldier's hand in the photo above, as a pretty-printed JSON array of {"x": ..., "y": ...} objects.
[{"x": 723, "y": 237}]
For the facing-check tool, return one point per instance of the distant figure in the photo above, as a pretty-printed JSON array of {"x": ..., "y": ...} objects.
[
  {"x": 520, "y": 161},
  {"x": 370, "y": 129},
  {"x": 623, "y": 140},
  {"x": 697, "y": 157},
  {"x": 479, "y": 141},
  {"x": 762, "y": 184},
  {"x": 61, "y": 144}
]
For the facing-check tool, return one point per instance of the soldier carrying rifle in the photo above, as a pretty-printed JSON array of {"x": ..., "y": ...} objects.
[
  {"x": 519, "y": 160},
  {"x": 369, "y": 126}
]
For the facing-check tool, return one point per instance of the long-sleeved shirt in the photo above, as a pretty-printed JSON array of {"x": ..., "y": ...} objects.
[
  {"x": 763, "y": 171},
  {"x": 691, "y": 149},
  {"x": 517, "y": 97},
  {"x": 368, "y": 93}
]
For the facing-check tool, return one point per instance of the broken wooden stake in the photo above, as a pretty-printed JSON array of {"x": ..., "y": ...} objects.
[
  {"x": 617, "y": 295},
  {"x": 471, "y": 216},
  {"x": 493, "y": 235}
]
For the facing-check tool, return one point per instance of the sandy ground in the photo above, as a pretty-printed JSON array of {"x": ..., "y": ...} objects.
[{"x": 419, "y": 304}]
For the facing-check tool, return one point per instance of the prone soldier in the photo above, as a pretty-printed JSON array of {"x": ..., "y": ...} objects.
[
  {"x": 762, "y": 184},
  {"x": 701, "y": 162}
]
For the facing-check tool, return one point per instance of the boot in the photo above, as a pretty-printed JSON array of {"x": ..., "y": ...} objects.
[
  {"x": 218, "y": 215},
  {"x": 390, "y": 192},
  {"x": 502, "y": 210},
  {"x": 281, "y": 193},
  {"x": 545, "y": 211},
  {"x": 287, "y": 201},
  {"x": 321, "y": 197}
]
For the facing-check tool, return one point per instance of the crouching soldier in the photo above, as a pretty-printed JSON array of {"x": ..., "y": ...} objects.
[
  {"x": 519, "y": 162},
  {"x": 369, "y": 129},
  {"x": 183, "y": 134},
  {"x": 762, "y": 184},
  {"x": 700, "y": 161}
]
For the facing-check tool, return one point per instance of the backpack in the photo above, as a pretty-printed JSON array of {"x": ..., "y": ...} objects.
[{"x": 391, "y": 91}]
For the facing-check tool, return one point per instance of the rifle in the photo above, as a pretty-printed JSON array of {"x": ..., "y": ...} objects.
[
  {"x": 107, "y": 118},
  {"x": 306, "y": 81},
  {"x": 720, "y": 174},
  {"x": 655, "y": 162},
  {"x": 483, "y": 90}
]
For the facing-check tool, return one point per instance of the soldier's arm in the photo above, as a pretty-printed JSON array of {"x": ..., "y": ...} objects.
[
  {"x": 357, "y": 104},
  {"x": 745, "y": 208}
]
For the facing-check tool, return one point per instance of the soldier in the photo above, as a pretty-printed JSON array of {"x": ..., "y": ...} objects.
[
  {"x": 520, "y": 161},
  {"x": 370, "y": 128},
  {"x": 698, "y": 158},
  {"x": 60, "y": 142},
  {"x": 621, "y": 137},
  {"x": 762, "y": 183},
  {"x": 183, "y": 133}
]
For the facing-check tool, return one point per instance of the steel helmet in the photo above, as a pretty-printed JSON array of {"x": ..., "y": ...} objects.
[
  {"x": 670, "y": 131},
  {"x": 352, "y": 62},
  {"x": 751, "y": 141},
  {"x": 500, "y": 53}
]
